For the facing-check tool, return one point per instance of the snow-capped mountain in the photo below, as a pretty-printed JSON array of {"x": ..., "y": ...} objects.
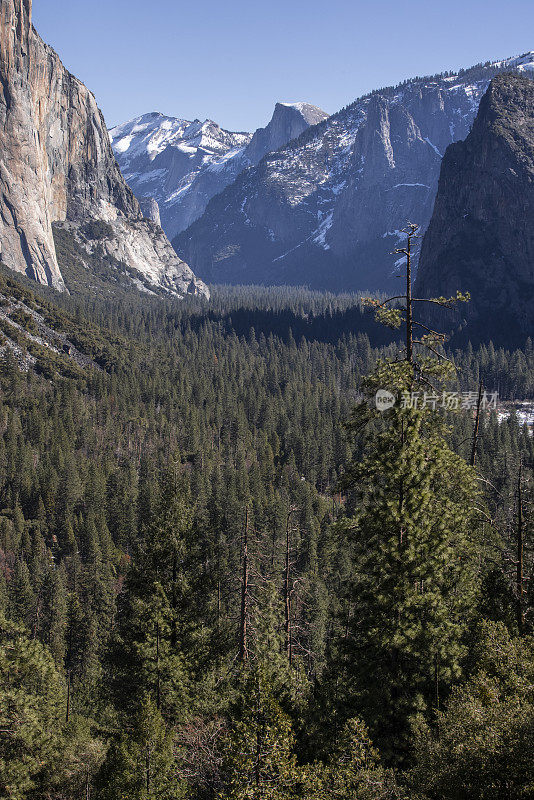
[
  {"x": 182, "y": 165},
  {"x": 326, "y": 209}
]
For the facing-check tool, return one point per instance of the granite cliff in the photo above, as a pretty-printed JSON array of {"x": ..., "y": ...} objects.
[
  {"x": 183, "y": 164},
  {"x": 481, "y": 235},
  {"x": 325, "y": 210},
  {"x": 57, "y": 168}
]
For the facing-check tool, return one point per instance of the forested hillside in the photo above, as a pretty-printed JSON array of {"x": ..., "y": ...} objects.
[{"x": 224, "y": 574}]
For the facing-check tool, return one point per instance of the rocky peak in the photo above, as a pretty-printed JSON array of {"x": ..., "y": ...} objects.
[
  {"x": 26, "y": 240},
  {"x": 183, "y": 164},
  {"x": 154, "y": 140},
  {"x": 289, "y": 120},
  {"x": 326, "y": 209},
  {"x": 480, "y": 238}
]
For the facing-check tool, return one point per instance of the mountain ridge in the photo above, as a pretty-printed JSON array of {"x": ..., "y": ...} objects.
[
  {"x": 182, "y": 164},
  {"x": 326, "y": 209}
]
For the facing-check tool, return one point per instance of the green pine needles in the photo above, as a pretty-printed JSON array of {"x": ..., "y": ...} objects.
[
  {"x": 414, "y": 531},
  {"x": 414, "y": 535}
]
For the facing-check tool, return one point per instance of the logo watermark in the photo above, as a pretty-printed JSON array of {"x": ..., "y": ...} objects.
[
  {"x": 384, "y": 400},
  {"x": 450, "y": 401}
]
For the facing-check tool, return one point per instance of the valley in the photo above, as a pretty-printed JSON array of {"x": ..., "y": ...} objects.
[{"x": 266, "y": 423}]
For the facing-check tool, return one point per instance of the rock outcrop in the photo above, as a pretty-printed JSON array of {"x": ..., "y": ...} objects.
[
  {"x": 57, "y": 166},
  {"x": 481, "y": 236},
  {"x": 150, "y": 209},
  {"x": 326, "y": 209},
  {"x": 183, "y": 164},
  {"x": 289, "y": 120}
]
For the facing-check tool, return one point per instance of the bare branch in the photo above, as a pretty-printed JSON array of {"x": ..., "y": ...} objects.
[
  {"x": 395, "y": 297},
  {"x": 436, "y": 333},
  {"x": 436, "y": 352}
]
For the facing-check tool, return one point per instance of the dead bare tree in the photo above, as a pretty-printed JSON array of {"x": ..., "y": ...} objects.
[
  {"x": 520, "y": 586},
  {"x": 243, "y": 636},
  {"x": 477, "y": 424}
]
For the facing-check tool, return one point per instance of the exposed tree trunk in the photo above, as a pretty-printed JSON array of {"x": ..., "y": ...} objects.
[
  {"x": 411, "y": 232},
  {"x": 67, "y": 713},
  {"x": 409, "y": 320},
  {"x": 519, "y": 565},
  {"x": 477, "y": 423},
  {"x": 287, "y": 592},
  {"x": 243, "y": 637},
  {"x": 158, "y": 696}
]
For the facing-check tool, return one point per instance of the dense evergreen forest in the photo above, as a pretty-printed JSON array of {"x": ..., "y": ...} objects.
[{"x": 225, "y": 575}]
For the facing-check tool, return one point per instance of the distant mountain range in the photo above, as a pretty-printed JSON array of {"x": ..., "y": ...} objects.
[
  {"x": 182, "y": 165},
  {"x": 308, "y": 200},
  {"x": 325, "y": 209}
]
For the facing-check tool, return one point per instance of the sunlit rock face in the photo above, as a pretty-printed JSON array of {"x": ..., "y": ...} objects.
[
  {"x": 326, "y": 210},
  {"x": 183, "y": 164},
  {"x": 57, "y": 165}
]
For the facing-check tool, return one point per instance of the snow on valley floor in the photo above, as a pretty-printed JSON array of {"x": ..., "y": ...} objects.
[{"x": 524, "y": 411}]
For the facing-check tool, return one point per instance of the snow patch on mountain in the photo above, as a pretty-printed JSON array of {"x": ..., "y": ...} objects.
[
  {"x": 321, "y": 209},
  {"x": 320, "y": 233},
  {"x": 183, "y": 164},
  {"x": 433, "y": 146}
]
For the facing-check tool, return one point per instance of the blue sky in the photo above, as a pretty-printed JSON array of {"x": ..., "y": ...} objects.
[{"x": 232, "y": 60}]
